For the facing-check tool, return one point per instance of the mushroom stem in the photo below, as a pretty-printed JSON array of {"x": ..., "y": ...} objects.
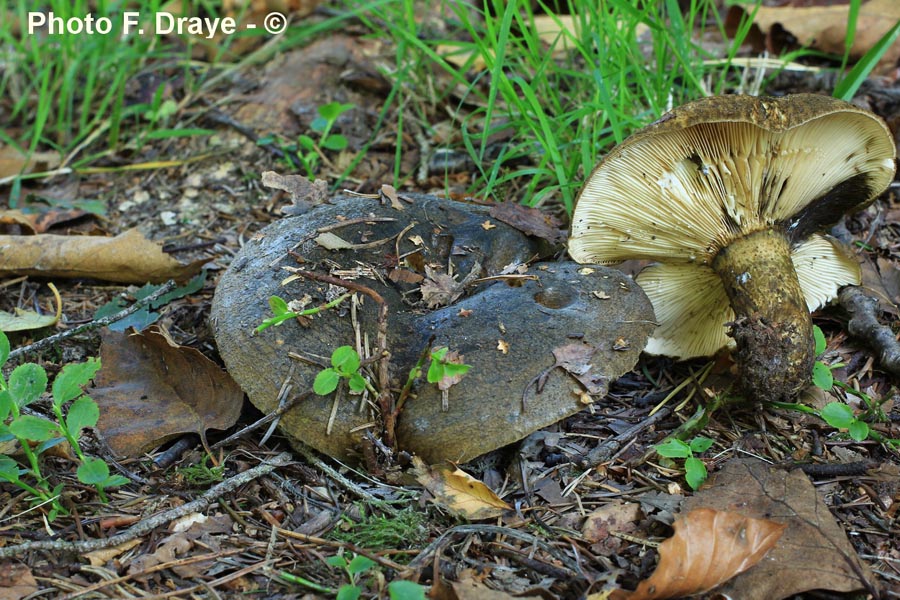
[{"x": 772, "y": 327}]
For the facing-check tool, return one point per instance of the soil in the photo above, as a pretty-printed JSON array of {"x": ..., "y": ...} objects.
[{"x": 289, "y": 515}]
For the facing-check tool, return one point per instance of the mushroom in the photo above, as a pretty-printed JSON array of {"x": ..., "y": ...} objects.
[{"x": 729, "y": 195}]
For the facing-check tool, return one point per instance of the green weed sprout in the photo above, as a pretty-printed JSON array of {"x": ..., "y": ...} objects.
[
  {"x": 822, "y": 376},
  {"x": 441, "y": 368},
  {"x": 345, "y": 364},
  {"x": 694, "y": 468},
  {"x": 840, "y": 416},
  {"x": 282, "y": 313},
  {"x": 27, "y": 383},
  {"x": 307, "y": 150},
  {"x": 354, "y": 568}
]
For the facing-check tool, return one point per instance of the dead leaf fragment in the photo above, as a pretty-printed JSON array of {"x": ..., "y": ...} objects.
[
  {"x": 390, "y": 192},
  {"x": 575, "y": 359},
  {"x": 398, "y": 275},
  {"x": 470, "y": 586},
  {"x": 601, "y": 524},
  {"x": 459, "y": 492},
  {"x": 487, "y": 225},
  {"x": 503, "y": 346},
  {"x": 304, "y": 193},
  {"x": 824, "y": 27},
  {"x": 13, "y": 162},
  {"x": 529, "y": 220},
  {"x": 440, "y": 289},
  {"x": 151, "y": 389},
  {"x": 708, "y": 548},
  {"x": 16, "y": 581},
  {"x": 330, "y": 241},
  {"x": 127, "y": 258},
  {"x": 98, "y": 558}
]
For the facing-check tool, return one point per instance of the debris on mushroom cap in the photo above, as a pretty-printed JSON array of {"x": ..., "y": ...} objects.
[{"x": 718, "y": 170}]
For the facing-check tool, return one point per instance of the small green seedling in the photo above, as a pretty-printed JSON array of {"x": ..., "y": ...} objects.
[
  {"x": 307, "y": 150},
  {"x": 283, "y": 313},
  {"x": 443, "y": 368},
  {"x": 821, "y": 375},
  {"x": 694, "y": 468},
  {"x": 345, "y": 364},
  {"x": 840, "y": 416},
  {"x": 355, "y": 568},
  {"x": 27, "y": 383}
]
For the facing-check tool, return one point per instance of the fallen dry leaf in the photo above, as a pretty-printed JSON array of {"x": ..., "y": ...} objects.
[
  {"x": 127, "y": 258},
  {"x": 98, "y": 558},
  {"x": 151, "y": 389},
  {"x": 469, "y": 586},
  {"x": 13, "y": 162},
  {"x": 813, "y": 553},
  {"x": 824, "y": 27},
  {"x": 304, "y": 193},
  {"x": 459, "y": 492},
  {"x": 575, "y": 359},
  {"x": 503, "y": 346},
  {"x": 530, "y": 221},
  {"x": 601, "y": 524},
  {"x": 390, "y": 192},
  {"x": 439, "y": 289},
  {"x": 708, "y": 548},
  {"x": 16, "y": 581},
  {"x": 330, "y": 241},
  {"x": 398, "y": 275}
]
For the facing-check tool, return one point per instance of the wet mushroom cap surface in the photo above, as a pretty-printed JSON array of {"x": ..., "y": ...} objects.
[{"x": 721, "y": 169}]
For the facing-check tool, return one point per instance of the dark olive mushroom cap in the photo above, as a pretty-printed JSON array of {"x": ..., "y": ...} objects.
[{"x": 716, "y": 170}]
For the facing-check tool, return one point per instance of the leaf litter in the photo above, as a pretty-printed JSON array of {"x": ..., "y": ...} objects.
[{"x": 498, "y": 557}]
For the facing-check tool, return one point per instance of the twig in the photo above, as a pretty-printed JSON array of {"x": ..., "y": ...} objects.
[
  {"x": 350, "y": 486},
  {"x": 181, "y": 562},
  {"x": 147, "y": 525},
  {"x": 603, "y": 452},
  {"x": 419, "y": 562},
  {"x": 96, "y": 323},
  {"x": 283, "y": 407},
  {"x": 864, "y": 325}
]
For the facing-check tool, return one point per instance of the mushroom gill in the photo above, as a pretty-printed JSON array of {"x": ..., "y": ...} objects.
[{"x": 728, "y": 195}]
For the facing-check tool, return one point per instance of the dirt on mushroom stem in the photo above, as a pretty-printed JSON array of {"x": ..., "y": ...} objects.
[{"x": 772, "y": 327}]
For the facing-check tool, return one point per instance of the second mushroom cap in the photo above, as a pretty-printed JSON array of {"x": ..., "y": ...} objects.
[{"x": 766, "y": 175}]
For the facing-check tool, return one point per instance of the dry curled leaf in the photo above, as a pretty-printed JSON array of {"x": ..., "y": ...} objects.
[
  {"x": 151, "y": 389},
  {"x": 708, "y": 548},
  {"x": 459, "y": 492},
  {"x": 304, "y": 193},
  {"x": 440, "y": 289},
  {"x": 127, "y": 258},
  {"x": 529, "y": 220},
  {"x": 575, "y": 359}
]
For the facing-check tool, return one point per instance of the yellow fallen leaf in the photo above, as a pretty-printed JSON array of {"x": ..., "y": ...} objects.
[
  {"x": 459, "y": 492},
  {"x": 26, "y": 320}
]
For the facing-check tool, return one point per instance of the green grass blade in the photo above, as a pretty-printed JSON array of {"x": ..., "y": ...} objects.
[{"x": 849, "y": 85}]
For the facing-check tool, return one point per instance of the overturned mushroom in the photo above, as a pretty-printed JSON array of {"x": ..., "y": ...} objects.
[{"x": 729, "y": 195}]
